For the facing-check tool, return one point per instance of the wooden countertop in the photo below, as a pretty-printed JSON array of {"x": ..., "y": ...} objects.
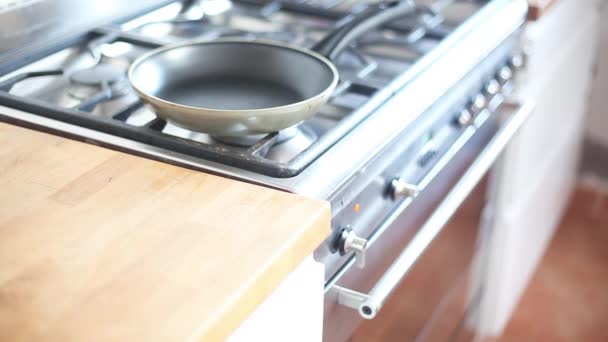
[
  {"x": 97, "y": 245},
  {"x": 537, "y": 8}
]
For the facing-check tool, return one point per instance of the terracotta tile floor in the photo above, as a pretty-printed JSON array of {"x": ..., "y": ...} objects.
[{"x": 567, "y": 299}]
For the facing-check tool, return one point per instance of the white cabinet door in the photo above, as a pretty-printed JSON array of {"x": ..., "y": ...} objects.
[
  {"x": 597, "y": 123},
  {"x": 293, "y": 312},
  {"x": 538, "y": 170}
]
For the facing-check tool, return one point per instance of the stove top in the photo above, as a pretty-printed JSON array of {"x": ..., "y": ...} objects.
[{"x": 84, "y": 85}]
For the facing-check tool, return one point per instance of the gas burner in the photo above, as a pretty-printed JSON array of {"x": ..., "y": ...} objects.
[
  {"x": 193, "y": 21},
  {"x": 250, "y": 140},
  {"x": 209, "y": 29},
  {"x": 285, "y": 36},
  {"x": 184, "y": 28},
  {"x": 281, "y": 146},
  {"x": 295, "y": 140},
  {"x": 98, "y": 75},
  {"x": 244, "y": 141},
  {"x": 86, "y": 82}
]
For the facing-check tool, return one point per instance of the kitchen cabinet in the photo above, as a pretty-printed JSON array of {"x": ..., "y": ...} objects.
[
  {"x": 293, "y": 312},
  {"x": 597, "y": 121},
  {"x": 536, "y": 175}
]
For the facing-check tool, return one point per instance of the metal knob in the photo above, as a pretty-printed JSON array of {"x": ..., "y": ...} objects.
[
  {"x": 478, "y": 104},
  {"x": 505, "y": 74},
  {"x": 465, "y": 118},
  {"x": 350, "y": 241},
  {"x": 518, "y": 61},
  {"x": 491, "y": 89},
  {"x": 400, "y": 189}
]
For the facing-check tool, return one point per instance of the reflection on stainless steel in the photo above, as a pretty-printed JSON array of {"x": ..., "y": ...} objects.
[{"x": 387, "y": 147}]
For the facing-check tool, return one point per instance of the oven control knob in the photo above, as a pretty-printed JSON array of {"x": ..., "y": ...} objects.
[
  {"x": 465, "y": 118},
  {"x": 478, "y": 104},
  {"x": 349, "y": 241},
  {"x": 399, "y": 188},
  {"x": 491, "y": 89},
  {"x": 505, "y": 74},
  {"x": 518, "y": 61}
]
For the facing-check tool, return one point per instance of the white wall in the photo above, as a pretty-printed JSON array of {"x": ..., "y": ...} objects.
[{"x": 597, "y": 122}]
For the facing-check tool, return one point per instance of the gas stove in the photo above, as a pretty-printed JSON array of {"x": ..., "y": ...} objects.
[
  {"x": 412, "y": 96},
  {"x": 85, "y": 84}
]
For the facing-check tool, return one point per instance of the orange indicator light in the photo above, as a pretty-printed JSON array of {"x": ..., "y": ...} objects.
[{"x": 357, "y": 207}]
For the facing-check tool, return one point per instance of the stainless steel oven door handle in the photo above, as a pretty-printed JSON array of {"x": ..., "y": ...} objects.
[{"x": 368, "y": 305}]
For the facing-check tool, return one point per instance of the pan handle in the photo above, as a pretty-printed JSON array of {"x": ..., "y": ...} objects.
[{"x": 373, "y": 16}]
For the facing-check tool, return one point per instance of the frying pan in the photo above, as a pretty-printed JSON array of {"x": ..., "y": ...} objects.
[{"x": 238, "y": 87}]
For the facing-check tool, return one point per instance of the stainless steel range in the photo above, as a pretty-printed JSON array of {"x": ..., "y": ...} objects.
[{"x": 417, "y": 119}]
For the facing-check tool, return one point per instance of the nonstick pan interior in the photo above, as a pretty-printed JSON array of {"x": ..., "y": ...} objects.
[{"x": 233, "y": 75}]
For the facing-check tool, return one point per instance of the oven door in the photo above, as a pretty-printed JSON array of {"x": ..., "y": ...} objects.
[{"x": 417, "y": 283}]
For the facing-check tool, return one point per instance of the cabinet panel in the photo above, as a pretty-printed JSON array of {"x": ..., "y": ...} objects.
[
  {"x": 539, "y": 168},
  {"x": 597, "y": 124},
  {"x": 293, "y": 312}
]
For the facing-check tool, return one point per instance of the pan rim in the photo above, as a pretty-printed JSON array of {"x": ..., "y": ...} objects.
[{"x": 267, "y": 42}]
